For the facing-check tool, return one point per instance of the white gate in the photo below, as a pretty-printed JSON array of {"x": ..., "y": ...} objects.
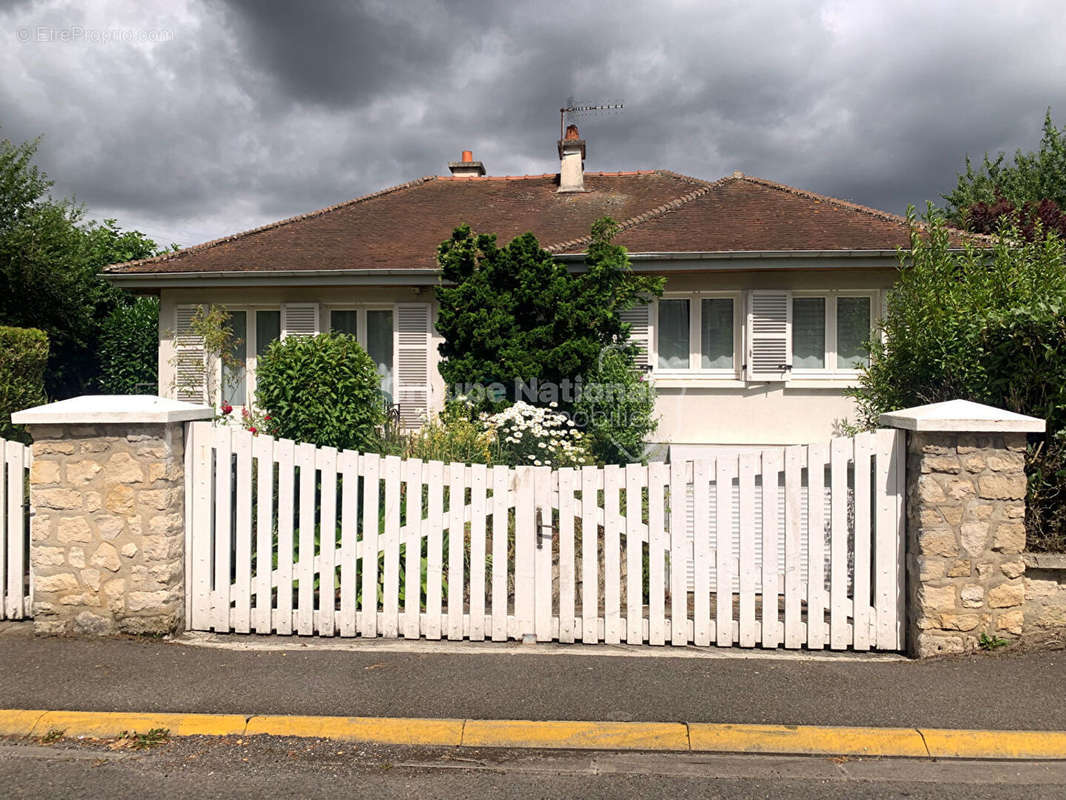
[
  {"x": 16, "y": 597},
  {"x": 286, "y": 538}
]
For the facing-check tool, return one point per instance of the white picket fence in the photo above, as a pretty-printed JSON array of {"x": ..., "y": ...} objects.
[
  {"x": 285, "y": 537},
  {"x": 16, "y": 590}
]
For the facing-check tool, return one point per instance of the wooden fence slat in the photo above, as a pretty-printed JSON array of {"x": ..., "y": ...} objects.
[
  {"x": 434, "y": 549},
  {"x": 566, "y": 555},
  {"x": 242, "y": 584},
  {"x": 456, "y": 548},
  {"x": 636, "y": 481},
  {"x": 326, "y": 459},
  {"x": 591, "y": 482},
  {"x": 795, "y": 460},
  {"x": 748, "y": 566},
  {"x": 223, "y": 529},
  {"x": 897, "y": 479},
  {"x": 680, "y": 555},
  {"x": 5, "y": 536},
  {"x": 817, "y": 456},
  {"x": 658, "y": 475},
  {"x": 15, "y": 458},
  {"x": 703, "y": 629},
  {"x": 861, "y": 615},
  {"x": 286, "y": 505},
  {"x": 542, "y": 595},
  {"x": 840, "y": 451},
  {"x": 390, "y": 605},
  {"x": 349, "y": 468},
  {"x": 525, "y": 551},
  {"x": 263, "y": 453},
  {"x": 478, "y": 486},
  {"x": 771, "y": 627},
  {"x": 612, "y": 572},
  {"x": 412, "y": 593},
  {"x": 727, "y": 467},
  {"x": 501, "y": 483},
  {"x": 305, "y": 568},
  {"x": 367, "y": 620},
  {"x": 201, "y": 445}
]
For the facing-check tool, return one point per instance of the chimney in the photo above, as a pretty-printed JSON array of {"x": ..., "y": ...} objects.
[
  {"x": 571, "y": 161},
  {"x": 467, "y": 167}
]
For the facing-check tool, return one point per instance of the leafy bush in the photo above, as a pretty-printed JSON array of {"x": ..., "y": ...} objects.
[
  {"x": 987, "y": 326},
  {"x": 323, "y": 389},
  {"x": 615, "y": 409},
  {"x": 129, "y": 348},
  {"x": 450, "y": 437},
  {"x": 514, "y": 314},
  {"x": 23, "y": 358}
]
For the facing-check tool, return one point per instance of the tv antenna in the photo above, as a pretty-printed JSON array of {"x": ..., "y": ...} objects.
[{"x": 574, "y": 110}]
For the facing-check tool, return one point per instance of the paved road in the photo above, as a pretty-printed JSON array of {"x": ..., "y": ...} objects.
[
  {"x": 1021, "y": 691},
  {"x": 274, "y": 767}
]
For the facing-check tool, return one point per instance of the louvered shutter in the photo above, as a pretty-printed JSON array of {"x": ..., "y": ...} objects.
[
  {"x": 412, "y": 362},
  {"x": 190, "y": 361},
  {"x": 299, "y": 319},
  {"x": 769, "y": 336},
  {"x": 639, "y": 320}
]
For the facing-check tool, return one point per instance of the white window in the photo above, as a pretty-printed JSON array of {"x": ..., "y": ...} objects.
[
  {"x": 253, "y": 331},
  {"x": 697, "y": 332},
  {"x": 373, "y": 327},
  {"x": 829, "y": 330}
]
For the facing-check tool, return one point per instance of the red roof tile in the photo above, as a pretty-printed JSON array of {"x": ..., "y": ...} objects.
[{"x": 659, "y": 211}]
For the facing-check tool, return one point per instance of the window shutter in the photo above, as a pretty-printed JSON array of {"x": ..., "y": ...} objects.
[
  {"x": 769, "y": 336},
  {"x": 639, "y": 320},
  {"x": 190, "y": 362},
  {"x": 412, "y": 362},
  {"x": 299, "y": 319}
]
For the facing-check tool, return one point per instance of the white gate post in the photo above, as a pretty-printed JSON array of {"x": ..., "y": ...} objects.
[
  {"x": 966, "y": 489},
  {"x": 107, "y": 488}
]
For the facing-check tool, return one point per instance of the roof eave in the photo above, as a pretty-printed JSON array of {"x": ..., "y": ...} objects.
[{"x": 286, "y": 277}]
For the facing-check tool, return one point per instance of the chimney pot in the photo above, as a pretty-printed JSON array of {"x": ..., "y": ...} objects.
[{"x": 466, "y": 167}]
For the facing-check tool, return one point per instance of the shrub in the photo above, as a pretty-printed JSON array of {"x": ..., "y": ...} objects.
[
  {"x": 23, "y": 358},
  {"x": 452, "y": 436},
  {"x": 987, "y": 326},
  {"x": 129, "y": 348},
  {"x": 323, "y": 389},
  {"x": 615, "y": 409}
]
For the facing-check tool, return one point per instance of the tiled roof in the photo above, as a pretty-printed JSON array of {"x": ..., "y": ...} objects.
[{"x": 659, "y": 211}]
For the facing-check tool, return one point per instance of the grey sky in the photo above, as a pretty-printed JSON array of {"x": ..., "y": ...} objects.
[{"x": 191, "y": 120}]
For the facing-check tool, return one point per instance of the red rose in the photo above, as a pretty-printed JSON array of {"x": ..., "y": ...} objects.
[
  {"x": 267, "y": 417},
  {"x": 253, "y": 430},
  {"x": 227, "y": 408}
]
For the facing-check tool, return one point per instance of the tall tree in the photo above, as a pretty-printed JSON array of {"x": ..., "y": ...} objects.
[
  {"x": 50, "y": 260},
  {"x": 1028, "y": 191}
]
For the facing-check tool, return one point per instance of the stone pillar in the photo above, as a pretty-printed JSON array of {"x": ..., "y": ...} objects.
[
  {"x": 107, "y": 539},
  {"x": 966, "y": 489}
]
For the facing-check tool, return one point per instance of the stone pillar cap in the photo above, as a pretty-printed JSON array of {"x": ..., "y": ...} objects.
[
  {"x": 102, "y": 408},
  {"x": 961, "y": 416}
]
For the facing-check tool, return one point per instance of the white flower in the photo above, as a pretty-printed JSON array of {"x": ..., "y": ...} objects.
[{"x": 537, "y": 463}]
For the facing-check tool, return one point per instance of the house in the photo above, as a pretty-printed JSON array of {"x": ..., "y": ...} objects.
[{"x": 770, "y": 290}]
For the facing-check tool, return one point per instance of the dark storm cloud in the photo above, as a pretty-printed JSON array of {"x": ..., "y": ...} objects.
[{"x": 249, "y": 111}]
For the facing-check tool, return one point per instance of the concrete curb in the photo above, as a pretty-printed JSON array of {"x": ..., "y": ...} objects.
[{"x": 812, "y": 740}]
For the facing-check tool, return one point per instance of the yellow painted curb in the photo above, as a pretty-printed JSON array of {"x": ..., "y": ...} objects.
[
  {"x": 806, "y": 740},
  {"x": 583, "y": 735},
  {"x": 383, "y": 730},
  {"x": 994, "y": 744},
  {"x": 103, "y": 724}
]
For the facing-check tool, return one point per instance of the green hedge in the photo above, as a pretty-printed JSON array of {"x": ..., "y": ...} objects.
[
  {"x": 322, "y": 389},
  {"x": 129, "y": 348},
  {"x": 23, "y": 358}
]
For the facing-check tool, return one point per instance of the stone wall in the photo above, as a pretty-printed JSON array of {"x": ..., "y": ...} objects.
[
  {"x": 965, "y": 537},
  {"x": 1045, "y": 593},
  {"x": 107, "y": 536}
]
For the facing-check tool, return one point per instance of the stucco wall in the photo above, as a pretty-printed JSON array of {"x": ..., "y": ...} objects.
[{"x": 691, "y": 410}]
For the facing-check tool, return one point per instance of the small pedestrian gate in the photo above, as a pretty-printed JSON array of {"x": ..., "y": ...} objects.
[
  {"x": 16, "y": 595},
  {"x": 797, "y": 546}
]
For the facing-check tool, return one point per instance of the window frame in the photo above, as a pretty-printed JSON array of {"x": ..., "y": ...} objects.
[
  {"x": 250, "y": 356},
  {"x": 831, "y": 370},
  {"x": 361, "y": 310},
  {"x": 695, "y": 335}
]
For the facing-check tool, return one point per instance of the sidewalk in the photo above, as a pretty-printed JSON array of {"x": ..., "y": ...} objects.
[{"x": 1023, "y": 691}]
